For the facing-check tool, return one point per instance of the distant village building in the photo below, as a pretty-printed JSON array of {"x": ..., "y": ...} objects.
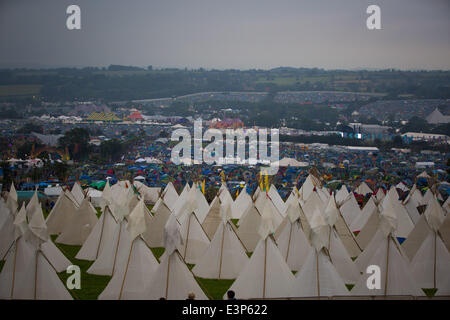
[
  {"x": 430, "y": 137},
  {"x": 369, "y": 128},
  {"x": 436, "y": 117}
]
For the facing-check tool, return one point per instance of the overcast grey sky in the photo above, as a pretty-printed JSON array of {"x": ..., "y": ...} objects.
[{"x": 223, "y": 34}]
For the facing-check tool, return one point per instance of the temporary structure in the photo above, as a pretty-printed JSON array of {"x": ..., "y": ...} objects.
[
  {"x": 99, "y": 237},
  {"x": 395, "y": 275},
  {"x": 114, "y": 253},
  {"x": 380, "y": 195},
  {"x": 350, "y": 209},
  {"x": 277, "y": 200},
  {"x": 195, "y": 240},
  {"x": 154, "y": 235},
  {"x": 172, "y": 279},
  {"x": 242, "y": 203},
  {"x": 248, "y": 228},
  {"x": 77, "y": 193},
  {"x": 224, "y": 195},
  {"x": 225, "y": 256},
  {"x": 308, "y": 187},
  {"x": 291, "y": 240},
  {"x": 77, "y": 229},
  {"x": 411, "y": 203},
  {"x": 431, "y": 264},
  {"x": 63, "y": 211},
  {"x": 313, "y": 203},
  {"x": 428, "y": 223},
  {"x": 131, "y": 278},
  {"x": 170, "y": 195},
  {"x": 385, "y": 252},
  {"x": 28, "y": 272},
  {"x": 149, "y": 194},
  {"x": 107, "y": 196},
  {"x": 360, "y": 221},
  {"x": 416, "y": 237},
  {"x": 6, "y": 231},
  {"x": 444, "y": 231},
  {"x": 404, "y": 222},
  {"x": 265, "y": 201},
  {"x": 266, "y": 274},
  {"x": 318, "y": 278},
  {"x": 368, "y": 231},
  {"x": 196, "y": 202},
  {"x": 213, "y": 218},
  {"x": 32, "y": 205},
  {"x": 11, "y": 200},
  {"x": 364, "y": 189},
  {"x": 338, "y": 254},
  {"x": 341, "y": 195}
]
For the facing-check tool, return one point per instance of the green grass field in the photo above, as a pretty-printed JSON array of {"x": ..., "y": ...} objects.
[{"x": 93, "y": 285}]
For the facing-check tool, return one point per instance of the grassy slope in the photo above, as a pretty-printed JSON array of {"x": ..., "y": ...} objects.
[{"x": 93, "y": 285}]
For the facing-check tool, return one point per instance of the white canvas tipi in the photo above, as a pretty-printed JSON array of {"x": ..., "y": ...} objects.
[
  {"x": 98, "y": 238},
  {"x": 132, "y": 277},
  {"x": 225, "y": 256},
  {"x": 172, "y": 279},
  {"x": 77, "y": 229}
]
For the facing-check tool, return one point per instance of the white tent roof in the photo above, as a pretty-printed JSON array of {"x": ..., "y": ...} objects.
[
  {"x": 170, "y": 195},
  {"x": 360, "y": 221},
  {"x": 368, "y": 231},
  {"x": 444, "y": 231},
  {"x": 213, "y": 218},
  {"x": 102, "y": 232},
  {"x": 62, "y": 212},
  {"x": 431, "y": 264},
  {"x": 11, "y": 200},
  {"x": 154, "y": 236},
  {"x": 277, "y": 200},
  {"x": 363, "y": 188},
  {"x": 242, "y": 204},
  {"x": 416, "y": 237},
  {"x": 195, "y": 240},
  {"x": 77, "y": 229},
  {"x": 225, "y": 256},
  {"x": 150, "y": 194},
  {"x": 293, "y": 244},
  {"x": 27, "y": 274},
  {"x": 396, "y": 277},
  {"x": 341, "y": 195},
  {"x": 380, "y": 195},
  {"x": 266, "y": 275},
  {"x": 318, "y": 278},
  {"x": 248, "y": 228},
  {"x": 173, "y": 280},
  {"x": 131, "y": 278},
  {"x": 341, "y": 260},
  {"x": 350, "y": 209},
  {"x": 77, "y": 192},
  {"x": 115, "y": 252}
]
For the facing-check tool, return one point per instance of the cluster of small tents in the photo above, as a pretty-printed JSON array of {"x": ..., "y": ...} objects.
[{"x": 315, "y": 244}]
